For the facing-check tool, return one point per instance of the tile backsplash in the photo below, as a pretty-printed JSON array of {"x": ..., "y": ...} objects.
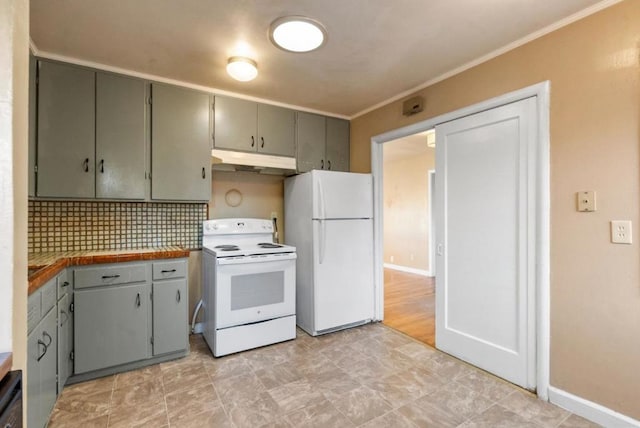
[{"x": 80, "y": 225}]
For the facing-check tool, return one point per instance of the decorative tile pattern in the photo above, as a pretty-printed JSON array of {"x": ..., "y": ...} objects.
[
  {"x": 300, "y": 384},
  {"x": 87, "y": 225}
]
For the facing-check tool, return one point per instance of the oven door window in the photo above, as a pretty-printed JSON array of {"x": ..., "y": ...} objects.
[{"x": 253, "y": 292}]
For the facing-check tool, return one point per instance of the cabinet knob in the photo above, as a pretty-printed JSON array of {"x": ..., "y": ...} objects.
[
  {"x": 204, "y": 175},
  {"x": 85, "y": 165},
  {"x": 102, "y": 166},
  {"x": 262, "y": 139},
  {"x": 329, "y": 163},
  {"x": 178, "y": 297},
  {"x": 138, "y": 300},
  {"x": 253, "y": 141},
  {"x": 322, "y": 163}
]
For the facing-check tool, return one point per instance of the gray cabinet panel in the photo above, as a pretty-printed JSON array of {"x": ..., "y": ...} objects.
[
  {"x": 337, "y": 148},
  {"x": 180, "y": 144},
  {"x": 110, "y": 326},
  {"x": 169, "y": 270},
  {"x": 35, "y": 416},
  {"x": 64, "y": 283},
  {"x": 276, "y": 130},
  {"x": 48, "y": 364},
  {"x": 96, "y": 276},
  {"x": 33, "y": 310},
  {"x": 66, "y": 131},
  {"x": 170, "y": 318},
  {"x": 310, "y": 136},
  {"x": 235, "y": 124},
  {"x": 65, "y": 341},
  {"x": 32, "y": 125},
  {"x": 120, "y": 137}
]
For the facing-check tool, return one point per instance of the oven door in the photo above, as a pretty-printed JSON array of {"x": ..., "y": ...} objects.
[{"x": 255, "y": 288}]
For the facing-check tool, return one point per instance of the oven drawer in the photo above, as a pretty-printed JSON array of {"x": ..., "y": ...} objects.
[
  {"x": 252, "y": 292},
  {"x": 168, "y": 270},
  {"x": 110, "y": 275}
]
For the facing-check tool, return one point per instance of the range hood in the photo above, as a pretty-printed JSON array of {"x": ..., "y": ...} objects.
[{"x": 225, "y": 160}]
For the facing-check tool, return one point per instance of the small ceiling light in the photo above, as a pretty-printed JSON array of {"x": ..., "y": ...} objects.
[
  {"x": 297, "y": 34},
  {"x": 242, "y": 68}
]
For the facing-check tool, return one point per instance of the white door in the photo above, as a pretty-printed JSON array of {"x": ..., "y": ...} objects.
[
  {"x": 485, "y": 223},
  {"x": 343, "y": 272}
]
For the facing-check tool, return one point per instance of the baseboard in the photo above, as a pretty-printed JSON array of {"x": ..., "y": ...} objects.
[
  {"x": 198, "y": 328},
  {"x": 408, "y": 269},
  {"x": 590, "y": 410}
]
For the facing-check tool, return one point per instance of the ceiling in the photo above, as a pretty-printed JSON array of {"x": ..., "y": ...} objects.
[
  {"x": 407, "y": 147},
  {"x": 376, "y": 49}
]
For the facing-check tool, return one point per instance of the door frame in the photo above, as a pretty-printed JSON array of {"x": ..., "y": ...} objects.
[
  {"x": 542, "y": 304},
  {"x": 431, "y": 177}
]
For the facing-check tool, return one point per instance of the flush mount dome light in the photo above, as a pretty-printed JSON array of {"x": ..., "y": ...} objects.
[
  {"x": 242, "y": 68},
  {"x": 297, "y": 34}
]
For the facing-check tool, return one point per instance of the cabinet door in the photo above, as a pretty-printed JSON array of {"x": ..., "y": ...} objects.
[
  {"x": 110, "y": 326},
  {"x": 33, "y": 63},
  {"x": 180, "y": 144},
  {"x": 35, "y": 348},
  {"x": 120, "y": 137},
  {"x": 65, "y": 335},
  {"x": 276, "y": 130},
  {"x": 310, "y": 139},
  {"x": 66, "y": 131},
  {"x": 170, "y": 319},
  {"x": 337, "y": 149},
  {"x": 49, "y": 363},
  {"x": 235, "y": 124}
]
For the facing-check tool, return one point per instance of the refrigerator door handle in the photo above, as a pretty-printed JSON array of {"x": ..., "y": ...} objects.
[
  {"x": 323, "y": 239},
  {"x": 322, "y": 207}
]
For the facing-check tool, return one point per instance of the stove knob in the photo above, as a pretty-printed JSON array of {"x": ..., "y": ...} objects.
[{"x": 215, "y": 226}]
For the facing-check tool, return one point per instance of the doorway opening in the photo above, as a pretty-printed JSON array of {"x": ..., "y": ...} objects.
[{"x": 409, "y": 283}]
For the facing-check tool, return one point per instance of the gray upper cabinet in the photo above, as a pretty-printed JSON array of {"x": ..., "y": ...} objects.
[
  {"x": 323, "y": 143},
  {"x": 33, "y": 63},
  {"x": 311, "y": 134},
  {"x": 170, "y": 318},
  {"x": 276, "y": 130},
  {"x": 337, "y": 149},
  {"x": 180, "y": 144},
  {"x": 65, "y": 131},
  {"x": 120, "y": 137},
  {"x": 236, "y": 122},
  {"x": 242, "y": 125}
]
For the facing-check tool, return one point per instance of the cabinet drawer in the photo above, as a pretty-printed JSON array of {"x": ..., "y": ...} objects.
[
  {"x": 63, "y": 284},
  {"x": 33, "y": 310},
  {"x": 172, "y": 269},
  {"x": 49, "y": 296},
  {"x": 109, "y": 275}
]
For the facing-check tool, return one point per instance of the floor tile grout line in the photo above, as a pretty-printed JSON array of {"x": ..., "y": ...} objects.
[
  {"x": 564, "y": 419},
  {"x": 164, "y": 398}
]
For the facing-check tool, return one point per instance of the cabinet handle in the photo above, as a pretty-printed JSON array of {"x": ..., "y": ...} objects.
[
  {"x": 329, "y": 162},
  {"x": 66, "y": 317},
  {"x": 110, "y": 276},
  {"x": 253, "y": 141},
  {"x": 45, "y": 334},
  {"x": 168, "y": 271},
  {"x": 85, "y": 165},
  {"x": 40, "y": 342},
  {"x": 102, "y": 166},
  {"x": 65, "y": 284},
  {"x": 203, "y": 173},
  {"x": 322, "y": 163},
  {"x": 138, "y": 300},
  {"x": 262, "y": 139},
  {"x": 178, "y": 298}
]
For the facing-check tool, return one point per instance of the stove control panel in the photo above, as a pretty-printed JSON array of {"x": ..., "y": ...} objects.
[{"x": 235, "y": 226}]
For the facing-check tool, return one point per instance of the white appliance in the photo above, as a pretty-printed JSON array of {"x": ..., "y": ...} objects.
[
  {"x": 249, "y": 286},
  {"x": 329, "y": 219}
]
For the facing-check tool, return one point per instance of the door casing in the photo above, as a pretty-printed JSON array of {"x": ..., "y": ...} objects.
[{"x": 542, "y": 304}]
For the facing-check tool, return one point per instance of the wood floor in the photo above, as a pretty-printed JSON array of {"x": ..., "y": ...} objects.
[{"x": 409, "y": 304}]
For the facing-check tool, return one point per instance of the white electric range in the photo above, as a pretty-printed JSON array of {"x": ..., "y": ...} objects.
[{"x": 249, "y": 286}]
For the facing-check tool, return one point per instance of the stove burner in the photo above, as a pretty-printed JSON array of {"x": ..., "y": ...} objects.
[
  {"x": 227, "y": 247},
  {"x": 269, "y": 245}
]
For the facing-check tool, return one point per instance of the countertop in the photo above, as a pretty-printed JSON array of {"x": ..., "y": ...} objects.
[
  {"x": 44, "y": 266},
  {"x": 5, "y": 364}
]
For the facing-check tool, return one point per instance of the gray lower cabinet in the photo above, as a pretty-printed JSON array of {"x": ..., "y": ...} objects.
[
  {"x": 120, "y": 137},
  {"x": 65, "y": 340},
  {"x": 322, "y": 143},
  {"x": 111, "y": 326},
  {"x": 170, "y": 317},
  {"x": 65, "y": 131},
  {"x": 42, "y": 343},
  {"x": 180, "y": 144},
  {"x": 247, "y": 126}
]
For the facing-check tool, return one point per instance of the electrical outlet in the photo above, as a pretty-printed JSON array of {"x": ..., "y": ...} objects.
[
  {"x": 586, "y": 201},
  {"x": 621, "y": 231}
]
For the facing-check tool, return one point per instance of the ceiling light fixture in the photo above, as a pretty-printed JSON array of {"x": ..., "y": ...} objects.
[
  {"x": 242, "y": 68},
  {"x": 297, "y": 34}
]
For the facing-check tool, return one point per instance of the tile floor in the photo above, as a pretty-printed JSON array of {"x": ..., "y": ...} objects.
[{"x": 371, "y": 376}]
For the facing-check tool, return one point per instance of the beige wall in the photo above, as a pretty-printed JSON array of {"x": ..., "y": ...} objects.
[
  {"x": 261, "y": 195},
  {"x": 595, "y": 123},
  {"x": 406, "y": 210}
]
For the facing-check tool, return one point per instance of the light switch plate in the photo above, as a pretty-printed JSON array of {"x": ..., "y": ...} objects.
[
  {"x": 621, "y": 231},
  {"x": 586, "y": 201}
]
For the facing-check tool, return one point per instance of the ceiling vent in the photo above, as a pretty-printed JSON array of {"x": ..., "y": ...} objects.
[{"x": 412, "y": 106}]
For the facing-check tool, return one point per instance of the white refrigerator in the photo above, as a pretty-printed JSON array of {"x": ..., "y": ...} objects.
[{"x": 328, "y": 217}]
